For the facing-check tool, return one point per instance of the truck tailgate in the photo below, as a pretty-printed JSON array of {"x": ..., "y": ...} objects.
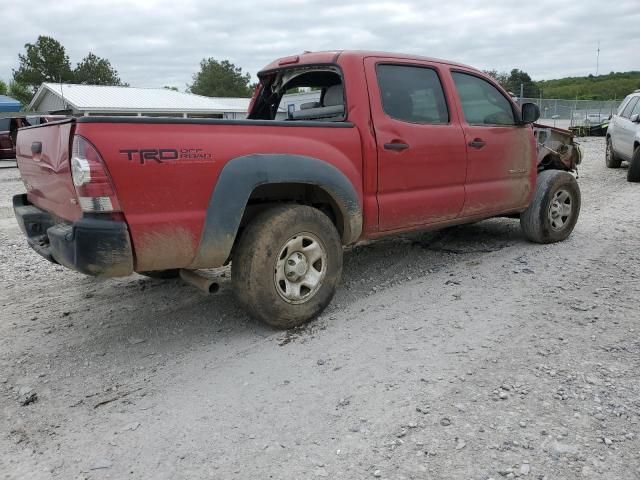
[{"x": 43, "y": 156}]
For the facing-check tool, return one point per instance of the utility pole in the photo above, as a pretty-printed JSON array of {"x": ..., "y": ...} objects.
[
  {"x": 598, "y": 58},
  {"x": 521, "y": 93}
]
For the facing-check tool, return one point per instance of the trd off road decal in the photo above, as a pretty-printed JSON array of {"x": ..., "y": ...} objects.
[{"x": 162, "y": 155}]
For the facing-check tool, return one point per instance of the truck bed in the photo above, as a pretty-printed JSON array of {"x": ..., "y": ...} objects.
[{"x": 164, "y": 170}]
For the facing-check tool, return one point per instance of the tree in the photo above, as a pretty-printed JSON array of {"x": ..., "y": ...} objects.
[
  {"x": 20, "y": 92},
  {"x": 500, "y": 77},
  {"x": 93, "y": 70},
  {"x": 44, "y": 61},
  {"x": 615, "y": 85},
  {"x": 169, "y": 87},
  {"x": 220, "y": 79},
  {"x": 3, "y": 88},
  {"x": 518, "y": 77}
]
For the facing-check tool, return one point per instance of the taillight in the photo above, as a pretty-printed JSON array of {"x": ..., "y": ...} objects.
[{"x": 91, "y": 179}]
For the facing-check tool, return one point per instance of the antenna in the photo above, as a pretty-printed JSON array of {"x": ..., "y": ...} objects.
[{"x": 598, "y": 58}]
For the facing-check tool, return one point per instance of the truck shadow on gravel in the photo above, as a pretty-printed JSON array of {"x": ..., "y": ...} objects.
[
  {"x": 404, "y": 258},
  {"x": 119, "y": 326},
  {"x": 177, "y": 315}
]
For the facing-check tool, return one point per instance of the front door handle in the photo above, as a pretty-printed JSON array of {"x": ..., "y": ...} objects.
[
  {"x": 477, "y": 143},
  {"x": 396, "y": 146}
]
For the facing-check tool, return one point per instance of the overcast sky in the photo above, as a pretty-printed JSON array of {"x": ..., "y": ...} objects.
[{"x": 156, "y": 43}]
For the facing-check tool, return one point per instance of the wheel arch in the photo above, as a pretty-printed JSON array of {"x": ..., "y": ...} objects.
[
  {"x": 552, "y": 161},
  {"x": 249, "y": 183},
  {"x": 266, "y": 195}
]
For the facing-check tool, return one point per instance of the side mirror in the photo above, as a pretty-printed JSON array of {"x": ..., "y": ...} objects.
[
  {"x": 635, "y": 118},
  {"x": 530, "y": 112}
]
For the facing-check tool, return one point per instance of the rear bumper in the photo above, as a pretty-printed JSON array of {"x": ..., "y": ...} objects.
[
  {"x": 7, "y": 154},
  {"x": 90, "y": 246}
]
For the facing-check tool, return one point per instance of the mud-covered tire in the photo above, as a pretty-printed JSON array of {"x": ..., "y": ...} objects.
[
  {"x": 610, "y": 157},
  {"x": 633, "y": 174},
  {"x": 544, "y": 221},
  {"x": 269, "y": 245},
  {"x": 162, "y": 274}
]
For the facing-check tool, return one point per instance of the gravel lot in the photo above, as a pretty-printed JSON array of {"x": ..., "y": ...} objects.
[{"x": 464, "y": 354}]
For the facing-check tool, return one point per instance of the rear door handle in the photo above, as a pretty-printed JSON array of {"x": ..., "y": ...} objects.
[
  {"x": 477, "y": 143},
  {"x": 396, "y": 146}
]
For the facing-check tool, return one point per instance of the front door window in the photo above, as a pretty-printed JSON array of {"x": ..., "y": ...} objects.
[{"x": 482, "y": 103}]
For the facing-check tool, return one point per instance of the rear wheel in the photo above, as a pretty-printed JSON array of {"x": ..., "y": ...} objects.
[
  {"x": 287, "y": 265},
  {"x": 633, "y": 174},
  {"x": 554, "y": 210},
  {"x": 611, "y": 159}
]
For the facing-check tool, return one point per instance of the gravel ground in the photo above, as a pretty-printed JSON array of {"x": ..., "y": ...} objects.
[{"x": 464, "y": 354}]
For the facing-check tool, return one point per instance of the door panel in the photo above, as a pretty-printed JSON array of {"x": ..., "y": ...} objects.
[
  {"x": 421, "y": 152},
  {"x": 625, "y": 130},
  {"x": 501, "y": 154}
]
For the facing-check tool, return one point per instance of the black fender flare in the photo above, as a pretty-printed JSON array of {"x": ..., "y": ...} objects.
[{"x": 241, "y": 175}]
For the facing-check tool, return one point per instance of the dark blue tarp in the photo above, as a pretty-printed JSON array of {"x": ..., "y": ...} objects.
[{"x": 8, "y": 104}]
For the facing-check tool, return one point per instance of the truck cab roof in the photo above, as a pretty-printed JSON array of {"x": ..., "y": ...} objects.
[{"x": 332, "y": 56}]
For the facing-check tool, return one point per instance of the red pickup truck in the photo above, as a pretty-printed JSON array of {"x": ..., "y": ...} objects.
[{"x": 395, "y": 143}]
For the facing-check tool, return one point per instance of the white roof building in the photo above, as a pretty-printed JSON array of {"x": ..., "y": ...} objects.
[
  {"x": 291, "y": 102},
  {"x": 110, "y": 100}
]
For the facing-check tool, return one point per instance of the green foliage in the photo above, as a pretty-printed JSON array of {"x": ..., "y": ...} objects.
[
  {"x": 512, "y": 81},
  {"x": 46, "y": 60},
  {"x": 20, "y": 92},
  {"x": 3, "y": 88},
  {"x": 43, "y": 61},
  {"x": 93, "y": 70},
  {"x": 613, "y": 86},
  {"x": 518, "y": 77},
  {"x": 220, "y": 79},
  {"x": 500, "y": 77}
]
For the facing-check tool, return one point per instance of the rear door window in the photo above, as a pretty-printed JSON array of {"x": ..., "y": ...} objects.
[
  {"x": 482, "y": 103},
  {"x": 412, "y": 94},
  {"x": 4, "y": 124}
]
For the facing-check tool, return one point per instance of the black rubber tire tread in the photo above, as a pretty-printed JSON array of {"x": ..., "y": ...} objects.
[
  {"x": 615, "y": 161},
  {"x": 534, "y": 221},
  {"x": 162, "y": 274},
  {"x": 254, "y": 258},
  {"x": 633, "y": 174}
]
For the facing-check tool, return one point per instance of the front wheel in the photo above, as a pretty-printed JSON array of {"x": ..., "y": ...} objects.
[
  {"x": 633, "y": 174},
  {"x": 611, "y": 160},
  {"x": 287, "y": 265},
  {"x": 554, "y": 210}
]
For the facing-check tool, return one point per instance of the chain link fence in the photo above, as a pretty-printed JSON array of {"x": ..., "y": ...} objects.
[{"x": 570, "y": 113}]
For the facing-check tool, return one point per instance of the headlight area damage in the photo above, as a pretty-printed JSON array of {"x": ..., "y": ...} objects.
[{"x": 557, "y": 148}]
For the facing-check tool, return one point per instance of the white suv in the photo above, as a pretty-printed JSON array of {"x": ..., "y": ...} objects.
[{"x": 623, "y": 137}]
